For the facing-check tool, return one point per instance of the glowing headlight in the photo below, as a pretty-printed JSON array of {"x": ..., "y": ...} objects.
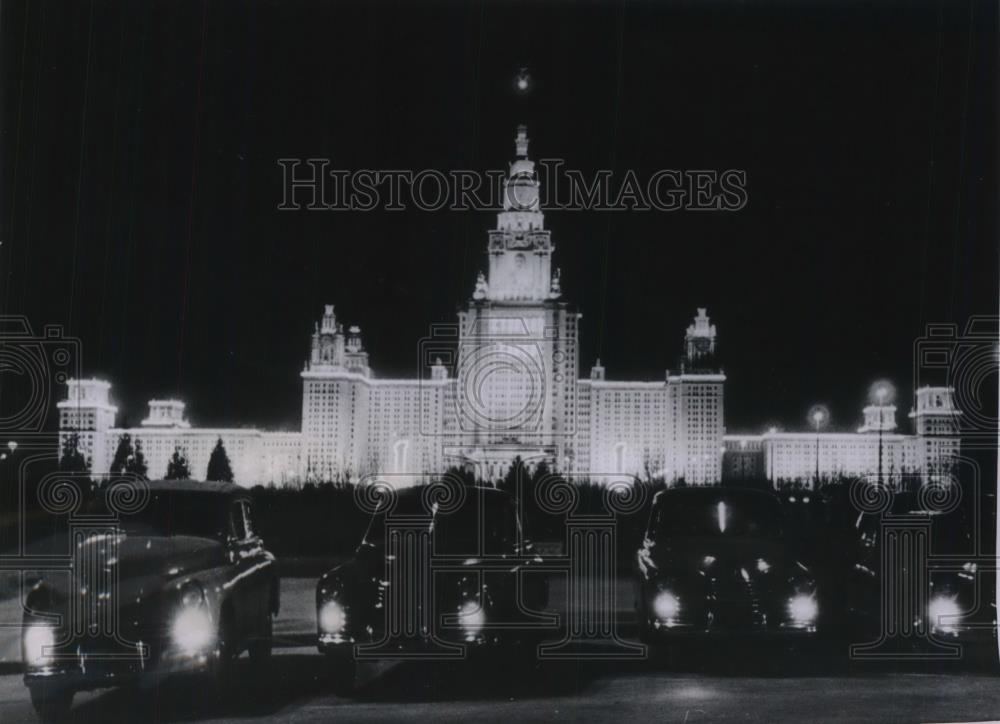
[
  {"x": 192, "y": 595},
  {"x": 332, "y": 618},
  {"x": 193, "y": 631},
  {"x": 666, "y": 605},
  {"x": 37, "y": 639},
  {"x": 803, "y": 608},
  {"x": 943, "y": 612},
  {"x": 471, "y": 617}
]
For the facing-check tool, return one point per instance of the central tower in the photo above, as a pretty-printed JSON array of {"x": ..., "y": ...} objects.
[
  {"x": 517, "y": 358},
  {"x": 520, "y": 248}
]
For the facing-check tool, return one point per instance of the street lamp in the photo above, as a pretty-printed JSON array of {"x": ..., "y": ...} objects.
[
  {"x": 818, "y": 416},
  {"x": 12, "y": 446},
  {"x": 881, "y": 393}
]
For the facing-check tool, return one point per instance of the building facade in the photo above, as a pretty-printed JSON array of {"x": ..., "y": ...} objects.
[
  {"x": 502, "y": 383},
  {"x": 256, "y": 456},
  {"x": 876, "y": 450}
]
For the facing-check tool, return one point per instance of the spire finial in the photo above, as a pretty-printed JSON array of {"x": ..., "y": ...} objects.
[{"x": 521, "y": 142}]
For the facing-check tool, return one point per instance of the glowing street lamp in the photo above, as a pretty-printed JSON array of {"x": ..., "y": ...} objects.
[
  {"x": 881, "y": 393},
  {"x": 12, "y": 446},
  {"x": 818, "y": 416}
]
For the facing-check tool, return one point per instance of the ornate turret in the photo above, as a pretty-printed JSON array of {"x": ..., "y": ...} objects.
[
  {"x": 482, "y": 288},
  {"x": 879, "y": 418},
  {"x": 332, "y": 350},
  {"x": 555, "y": 290},
  {"x": 520, "y": 248},
  {"x": 700, "y": 338},
  {"x": 935, "y": 412}
]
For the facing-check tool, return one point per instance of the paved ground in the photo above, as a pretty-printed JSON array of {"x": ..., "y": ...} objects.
[{"x": 757, "y": 686}]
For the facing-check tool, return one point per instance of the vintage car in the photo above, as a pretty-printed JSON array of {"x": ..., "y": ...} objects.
[
  {"x": 717, "y": 561},
  {"x": 959, "y": 602},
  {"x": 433, "y": 580},
  {"x": 180, "y": 583}
]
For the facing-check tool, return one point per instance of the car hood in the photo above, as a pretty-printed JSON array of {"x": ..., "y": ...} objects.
[{"x": 140, "y": 564}]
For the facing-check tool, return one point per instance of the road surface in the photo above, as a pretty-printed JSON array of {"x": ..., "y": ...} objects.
[{"x": 756, "y": 687}]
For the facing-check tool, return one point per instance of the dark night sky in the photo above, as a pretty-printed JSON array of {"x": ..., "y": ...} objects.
[{"x": 140, "y": 184}]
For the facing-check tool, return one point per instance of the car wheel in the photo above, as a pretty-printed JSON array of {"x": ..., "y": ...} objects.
[
  {"x": 343, "y": 670},
  {"x": 223, "y": 667},
  {"x": 51, "y": 703}
]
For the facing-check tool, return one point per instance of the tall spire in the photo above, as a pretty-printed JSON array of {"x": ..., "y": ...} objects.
[
  {"x": 521, "y": 142},
  {"x": 520, "y": 248},
  {"x": 521, "y": 208}
]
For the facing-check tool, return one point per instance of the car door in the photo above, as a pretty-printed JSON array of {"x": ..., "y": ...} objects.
[
  {"x": 243, "y": 555},
  {"x": 258, "y": 571}
]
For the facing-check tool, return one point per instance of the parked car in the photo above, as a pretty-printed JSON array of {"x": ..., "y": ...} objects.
[
  {"x": 181, "y": 585},
  {"x": 718, "y": 561},
  {"x": 431, "y": 579},
  {"x": 959, "y": 602}
]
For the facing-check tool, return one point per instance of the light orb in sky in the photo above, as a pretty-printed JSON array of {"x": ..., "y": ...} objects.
[{"x": 523, "y": 81}]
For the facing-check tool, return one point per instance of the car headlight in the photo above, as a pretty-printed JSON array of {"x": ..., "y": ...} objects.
[
  {"x": 943, "y": 613},
  {"x": 471, "y": 617},
  {"x": 193, "y": 630},
  {"x": 192, "y": 595},
  {"x": 666, "y": 606},
  {"x": 803, "y": 609},
  {"x": 332, "y": 617},
  {"x": 38, "y": 641}
]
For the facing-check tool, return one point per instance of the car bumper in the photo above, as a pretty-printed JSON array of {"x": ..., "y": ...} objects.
[
  {"x": 971, "y": 633},
  {"x": 93, "y": 670},
  {"x": 659, "y": 631},
  {"x": 455, "y": 643}
]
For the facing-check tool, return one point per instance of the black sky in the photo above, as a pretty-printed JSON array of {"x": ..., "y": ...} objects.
[{"x": 140, "y": 184}]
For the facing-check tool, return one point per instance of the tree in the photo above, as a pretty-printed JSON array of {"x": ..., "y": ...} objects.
[
  {"x": 122, "y": 454},
  {"x": 219, "y": 469},
  {"x": 178, "y": 468},
  {"x": 137, "y": 463},
  {"x": 72, "y": 460}
]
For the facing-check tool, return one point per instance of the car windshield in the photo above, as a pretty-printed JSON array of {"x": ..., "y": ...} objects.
[
  {"x": 718, "y": 516},
  {"x": 171, "y": 513},
  {"x": 479, "y": 527},
  {"x": 483, "y": 525}
]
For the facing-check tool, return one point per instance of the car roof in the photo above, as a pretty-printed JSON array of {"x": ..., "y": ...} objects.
[
  {"x": 410, "y": 501},
  {"x": 195, "y": 486}
]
